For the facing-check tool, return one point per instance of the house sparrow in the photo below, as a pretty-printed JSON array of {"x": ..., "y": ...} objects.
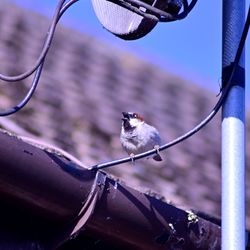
[{"x": 137, "y": 136}]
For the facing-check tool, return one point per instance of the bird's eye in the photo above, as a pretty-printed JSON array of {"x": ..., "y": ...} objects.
[{"x": 135, "y": 115}]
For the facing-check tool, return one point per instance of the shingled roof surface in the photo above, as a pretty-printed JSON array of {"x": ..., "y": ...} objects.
[{"x": 85, "y": 86}]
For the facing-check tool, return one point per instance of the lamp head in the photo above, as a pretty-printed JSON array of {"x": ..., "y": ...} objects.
[{"x": 123, "y": 19}]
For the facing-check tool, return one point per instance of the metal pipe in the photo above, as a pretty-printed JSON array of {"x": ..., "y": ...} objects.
[
  {"x": 233, "y": 131},
  {"x": 42, "y": 181},
  {"x": 52, "y": 192},
  {"x": 133, "y": 220}
]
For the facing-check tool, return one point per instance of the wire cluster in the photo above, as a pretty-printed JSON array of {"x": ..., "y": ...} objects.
[
  {"x": 38, "y": 65},
  {"x": 151, "y": 12}
]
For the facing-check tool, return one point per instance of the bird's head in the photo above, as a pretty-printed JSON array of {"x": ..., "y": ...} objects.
[{"x": 131, "y": 120}]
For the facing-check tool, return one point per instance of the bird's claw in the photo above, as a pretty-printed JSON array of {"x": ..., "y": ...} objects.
[
  {"x": 157, "y": 147},
  {"x": 132, "y": 157}
]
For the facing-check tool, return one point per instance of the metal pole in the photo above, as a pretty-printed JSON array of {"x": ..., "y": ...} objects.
[{"x": 233, "y": 131}]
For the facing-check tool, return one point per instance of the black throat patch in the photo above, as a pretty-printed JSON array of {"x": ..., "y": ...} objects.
[{"x": 126, "y": 125}]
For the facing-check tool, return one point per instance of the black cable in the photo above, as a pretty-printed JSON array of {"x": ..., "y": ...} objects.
[
  {"x": 153, "y": 12},
  {"x": 205, "y": 121},
  {"x": 39, "y": 66},
  {"x": 136, "y": 9},
  {"x": 45, "y": 49},
  {"x": 65, "y": 7},
  {"x": 187, "y": 10},
  {"x": 150, "y": 9},
  {"x": 30, "y": 93}
]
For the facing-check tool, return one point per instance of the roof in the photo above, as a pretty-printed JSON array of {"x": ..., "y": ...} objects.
[{"x": 85, "y": 86}]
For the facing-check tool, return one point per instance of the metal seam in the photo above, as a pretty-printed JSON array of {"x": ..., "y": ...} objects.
[{"x": 89, "y": 205}]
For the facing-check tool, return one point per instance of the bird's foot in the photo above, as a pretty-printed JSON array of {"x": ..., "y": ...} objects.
[{"x": 132, "y": 157}]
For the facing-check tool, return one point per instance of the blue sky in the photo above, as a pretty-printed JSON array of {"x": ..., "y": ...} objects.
[{"x": 190, "y": 48}]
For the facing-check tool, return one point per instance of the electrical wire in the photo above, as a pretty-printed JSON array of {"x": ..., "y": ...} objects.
[
  {"x": 188, "y": 9},
  {"x": 65, "y": 7},
  {"x": 45, "y": 49},
  {"x": 153, "y": 12},
  {"x": 28, "y": 96},
  {"x": 60, "y": 9},
  {"x": 204, "y": 122},
  {"x": 40, "y": 62}
]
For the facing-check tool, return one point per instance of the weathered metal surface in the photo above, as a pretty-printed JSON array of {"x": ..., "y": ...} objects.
[
  {"x": 43, "y": 181},
  {"x": 71, "y": 202},
  {"x": 129, "y": 218}
]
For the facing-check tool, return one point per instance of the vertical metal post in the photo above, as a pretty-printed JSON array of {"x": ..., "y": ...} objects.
[{"x": 233, "y": 131}]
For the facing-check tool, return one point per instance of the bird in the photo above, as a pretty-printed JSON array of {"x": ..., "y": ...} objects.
[{"x": 137, "y": 136}]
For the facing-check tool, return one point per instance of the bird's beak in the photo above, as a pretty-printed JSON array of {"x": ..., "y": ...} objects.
[
  {"x": 125, "y": 116},
  {"x": 126, "y": 121}
]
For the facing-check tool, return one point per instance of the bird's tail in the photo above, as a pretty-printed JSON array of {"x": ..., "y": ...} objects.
[{"x": 157, "y": 157}]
